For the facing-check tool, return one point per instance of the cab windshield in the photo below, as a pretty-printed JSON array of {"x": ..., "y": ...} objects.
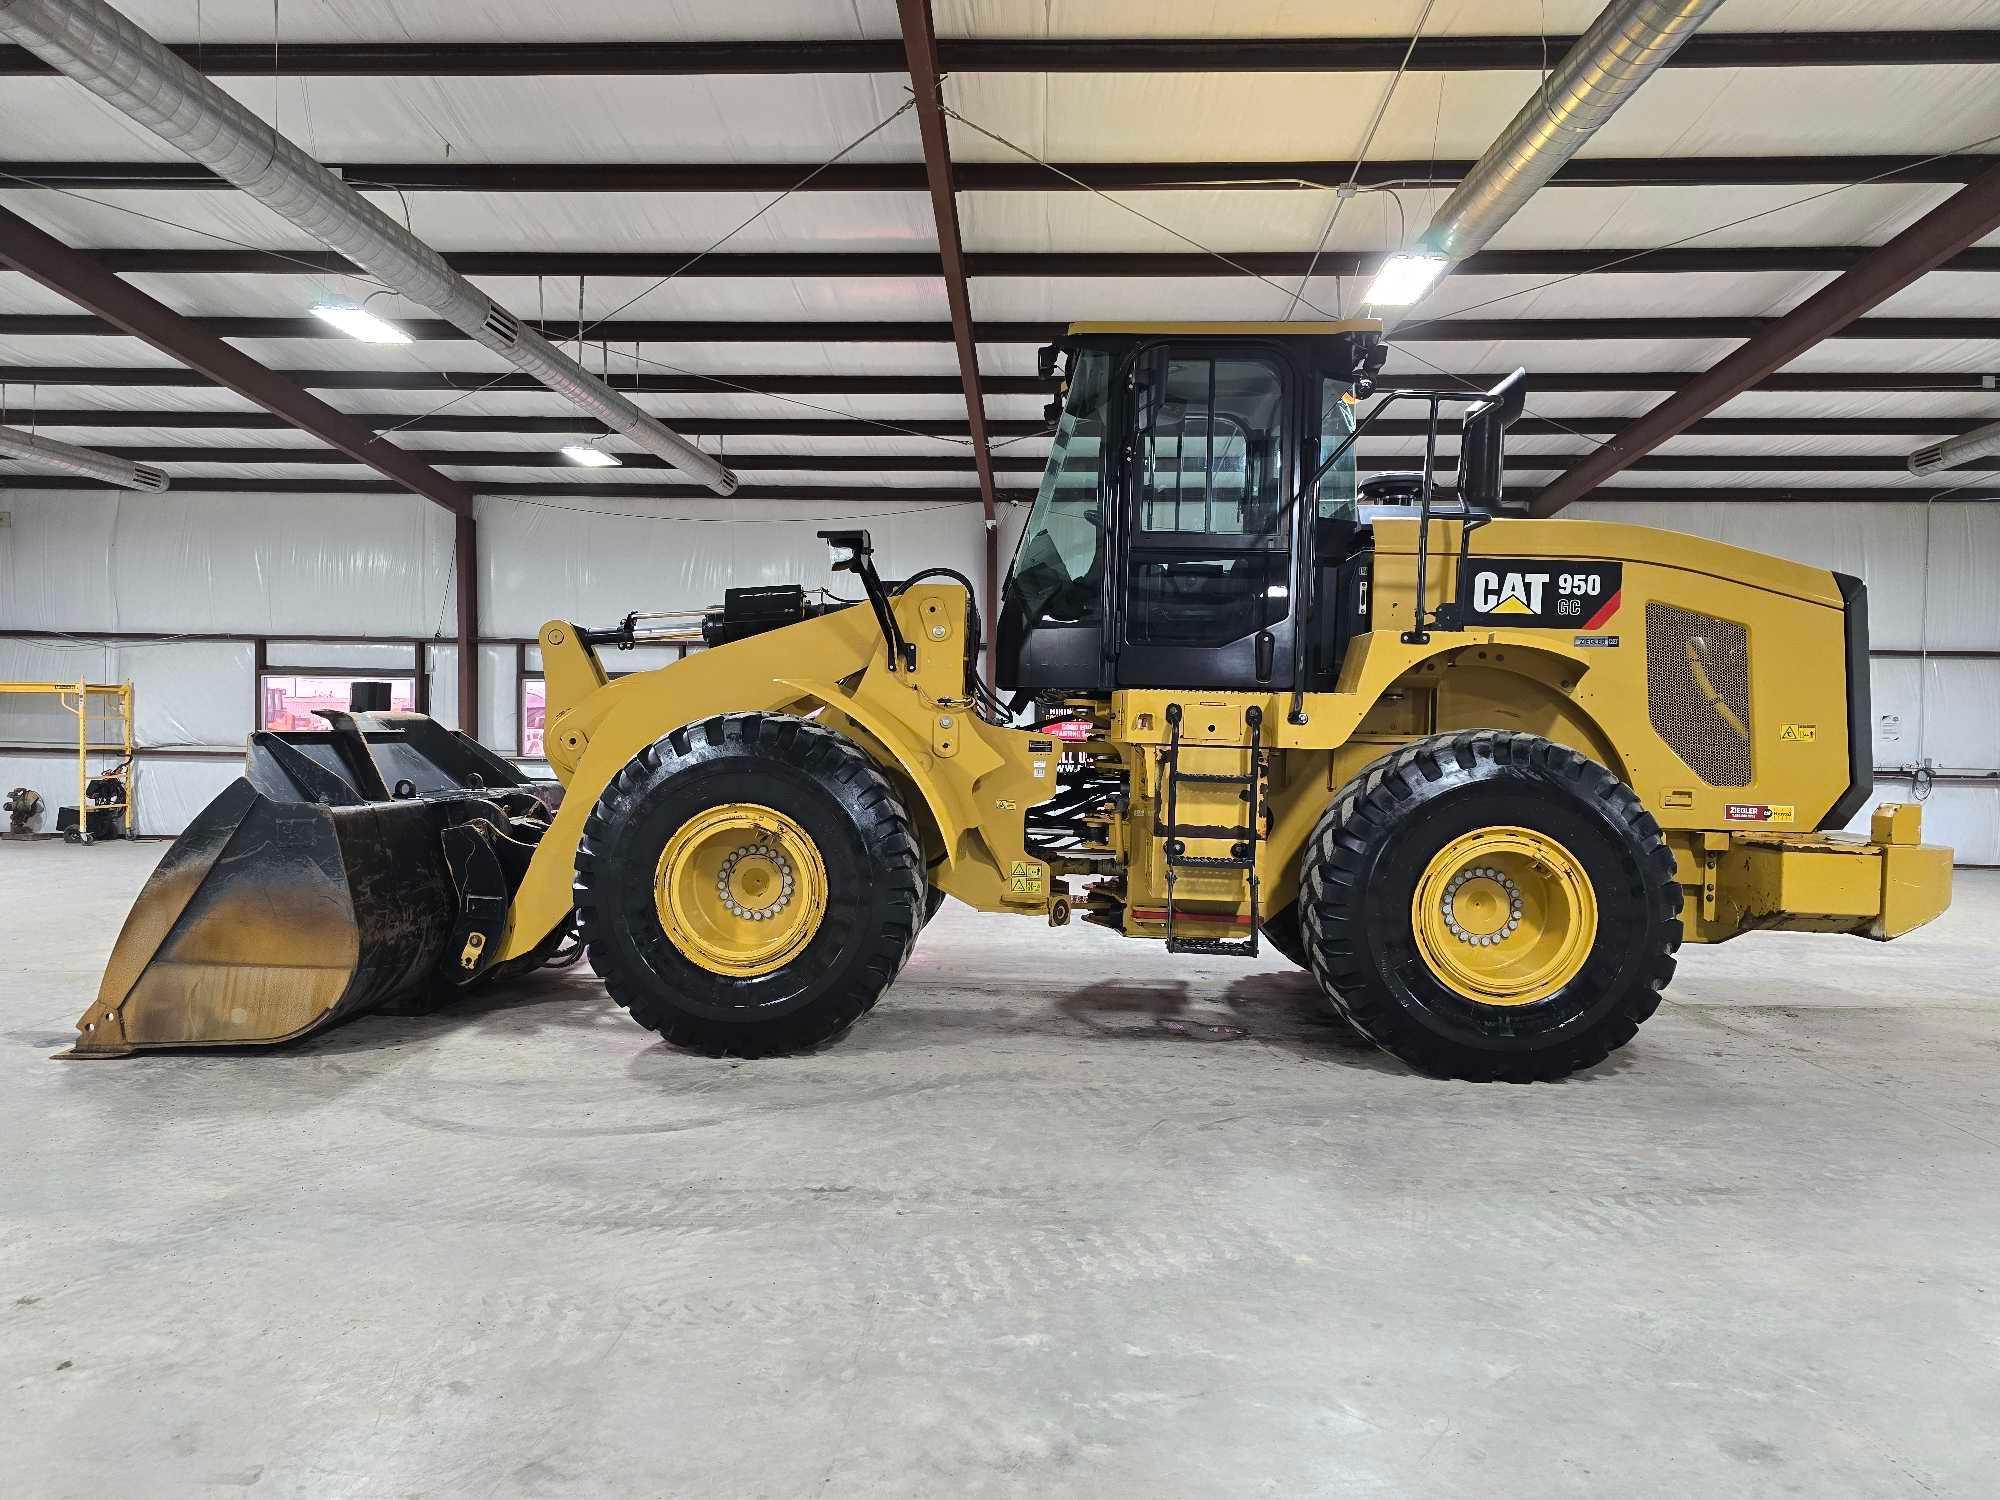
[{"x": 1057, "y": 567}]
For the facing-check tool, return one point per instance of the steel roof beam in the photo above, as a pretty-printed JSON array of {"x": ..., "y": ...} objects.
[
  {"x": 1516, "y": 52},
  {"x": 893, "y": 177},
  {"x": 125, "y": 309},
  {"x": 1832, "y": 312},
  {"x": 173, "y": 419},
  {"x": 1011, "y": 463},
  {"x": 175, "y": 377},
  {"x": 920, "y": 57},
  {"x": 658, "y": 331},
  {"x": 968, "y": 494},
  {"x": 1731, "y": 261}
]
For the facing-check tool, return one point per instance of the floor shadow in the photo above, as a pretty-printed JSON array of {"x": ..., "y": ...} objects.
[
  {"x": 514, "y": 1008},
  {"x": 1288, "y": 1010}
]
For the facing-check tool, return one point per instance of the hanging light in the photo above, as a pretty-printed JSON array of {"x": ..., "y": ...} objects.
[
  {"x": 590, "y": 456},
  {"x": 1404, "y": 277},
  {"x": 359, "y": 323}
]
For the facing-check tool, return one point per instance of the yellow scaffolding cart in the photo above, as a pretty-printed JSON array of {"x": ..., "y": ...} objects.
[{"x": 103, "y": 713}]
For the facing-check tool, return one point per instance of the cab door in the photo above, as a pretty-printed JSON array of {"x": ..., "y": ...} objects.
[{"x": 1205, "y": 583}]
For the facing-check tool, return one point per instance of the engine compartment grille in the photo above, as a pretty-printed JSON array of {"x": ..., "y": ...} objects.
[{"x": 1698, "y": 691}]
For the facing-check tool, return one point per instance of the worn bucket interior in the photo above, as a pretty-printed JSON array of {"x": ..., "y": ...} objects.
[{"x": 267, "y": 920}]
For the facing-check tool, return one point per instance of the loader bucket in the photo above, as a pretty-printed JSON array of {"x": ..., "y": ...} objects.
[
  {"x": 338, "y": 875},
  {"x": 269, "y": 920}
]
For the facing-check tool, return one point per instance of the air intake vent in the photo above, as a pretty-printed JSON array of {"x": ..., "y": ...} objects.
[
  {"x": 503, "y": 325},
  {"x": 149, "y": 478},
  {"x": 1698, "y": 691},
  {"x": 1926, "y": 459}
]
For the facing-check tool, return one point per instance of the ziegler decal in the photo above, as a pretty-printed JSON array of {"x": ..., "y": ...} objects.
[
  {"x": 1758, "y": 812},
  {"x": 1544, "y": 593}
]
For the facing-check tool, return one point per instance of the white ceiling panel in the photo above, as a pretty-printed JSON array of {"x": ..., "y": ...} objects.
[
  {"x": 1251, "y": 18},
  {"x": 1568, "y": 218},
  {"x": 719, "y": 117},
  {"x": 1301, "y": 116},
  {"x": 512, "y": 20}
]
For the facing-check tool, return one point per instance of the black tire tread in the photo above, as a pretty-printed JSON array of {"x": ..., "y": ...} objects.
[
  {"x": 1367, "y": 807},
  {"x": 887, "y": 832}
]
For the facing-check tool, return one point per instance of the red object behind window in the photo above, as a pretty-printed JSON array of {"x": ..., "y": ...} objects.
[{"x": 290, "y": 700}]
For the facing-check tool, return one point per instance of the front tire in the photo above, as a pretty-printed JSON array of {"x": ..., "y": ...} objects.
[
  {"x": 749, "y": 885},
  {"x": 1491, "y": 906}
]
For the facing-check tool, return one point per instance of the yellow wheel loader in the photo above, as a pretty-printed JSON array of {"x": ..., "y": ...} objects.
[{"x": 1481, "y": 775}]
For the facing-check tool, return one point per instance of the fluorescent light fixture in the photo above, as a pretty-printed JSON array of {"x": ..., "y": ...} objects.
[
  {"x": 590, "y": 456},
  {"x": 1404, "y": 277},
  {"x": 1952, "y": 452},
  {"x": 359, "y": 323}
]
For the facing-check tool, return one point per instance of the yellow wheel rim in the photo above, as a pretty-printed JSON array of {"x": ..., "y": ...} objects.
[
  {"x": 1504, "y": 916},
  {"x": 740, "y": 889}
]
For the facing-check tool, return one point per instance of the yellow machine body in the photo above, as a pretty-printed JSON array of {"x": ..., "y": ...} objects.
[
  {"x": 1748, "y": 855},
  {"x": 388, "y": 859}
]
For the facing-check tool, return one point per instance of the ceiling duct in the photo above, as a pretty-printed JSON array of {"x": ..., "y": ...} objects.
[
  {"x": 1603, "y": 69},
  {"x": 1951, "y": 453},
  {"x": 127, "y": 68},
  {"x": 88, "y": 462}
]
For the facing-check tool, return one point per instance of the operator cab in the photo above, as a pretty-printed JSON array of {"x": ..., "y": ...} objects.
[
  {"x": 1199, "y": 522},
  {"x": 1164, "y": 547}
]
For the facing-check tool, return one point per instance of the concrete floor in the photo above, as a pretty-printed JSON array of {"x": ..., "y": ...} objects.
[{"x": 1063, "y": 1217}]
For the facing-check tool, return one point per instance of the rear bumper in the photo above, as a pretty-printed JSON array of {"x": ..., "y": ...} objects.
[{"x": 1879, "y": 887}]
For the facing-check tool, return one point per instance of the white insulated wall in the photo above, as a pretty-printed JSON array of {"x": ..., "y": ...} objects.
[
  {"x": 297, "y": 567},
  {"x": 1933, "y": 576}
]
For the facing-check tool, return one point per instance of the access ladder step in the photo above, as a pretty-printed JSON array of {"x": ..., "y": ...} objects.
[
  {"x": 1214, "y": 947},
  {"x": 1204, "y": 831},
  {"x": 1209, "y": 862},
  {"x": 1211, "y": 778}
]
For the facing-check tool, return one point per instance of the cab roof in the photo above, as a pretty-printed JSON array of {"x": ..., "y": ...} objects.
[{"x": 1256, "y": 330}]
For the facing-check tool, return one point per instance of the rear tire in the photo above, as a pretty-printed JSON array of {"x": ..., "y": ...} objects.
[
  {"x": 850, "y": 849},
  {"x": 1491, "y": 906}
]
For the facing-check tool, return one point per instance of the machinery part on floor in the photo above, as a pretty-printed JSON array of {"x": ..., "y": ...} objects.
[
  {"x": 101, "y": 816},
  {"x": 103, "y": 716},
  {"x": 1491, "y": 906},
  {"x": 1484, "y": 773},
  {"x": 24, "y": 808},
  {"x": 749, "y": 885}
]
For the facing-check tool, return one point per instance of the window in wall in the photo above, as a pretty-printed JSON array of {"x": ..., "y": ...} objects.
[
  {"x": 288, "y": 700},
  {"x": 534, "y": 716}
]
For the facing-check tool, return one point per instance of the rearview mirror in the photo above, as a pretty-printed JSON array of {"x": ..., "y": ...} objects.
[{"x": 1482, "y": 443}]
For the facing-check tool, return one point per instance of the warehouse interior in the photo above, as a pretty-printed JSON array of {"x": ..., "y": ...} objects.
[{"x": 1119, "y": 1223}]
